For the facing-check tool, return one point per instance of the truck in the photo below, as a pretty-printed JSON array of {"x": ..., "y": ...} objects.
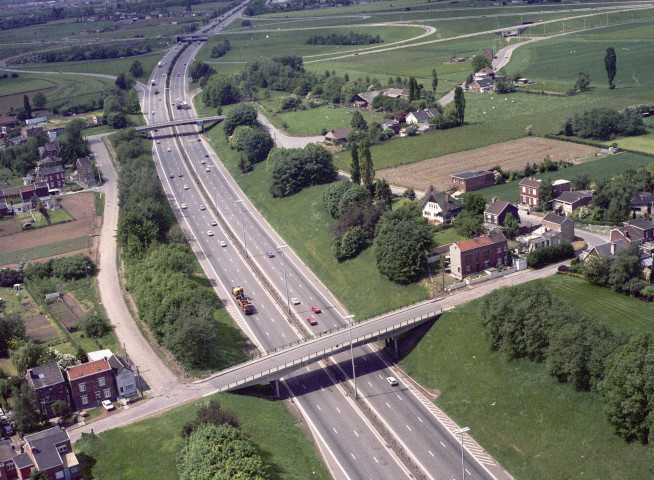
[
  {"x": 182, "y": 105},
  {"x": 242, "y": 300}
]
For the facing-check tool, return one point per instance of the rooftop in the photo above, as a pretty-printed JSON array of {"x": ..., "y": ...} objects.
[
  {"x": 45, "y": 375},
  {"x": 86, "y": 369},
  {"x": 496, "y": 237},
  {"x": 559, "y": 220},
  {"x": 571, "y": 197},
  {"x": 530, "y": 182},
  {"x": 471, "y": 174},
  {"x": 497, "y": 207}
]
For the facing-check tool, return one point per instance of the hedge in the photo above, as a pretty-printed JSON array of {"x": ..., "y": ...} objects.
[{"x": 547, "y": 255}]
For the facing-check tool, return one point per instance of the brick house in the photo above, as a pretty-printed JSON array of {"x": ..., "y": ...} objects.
[
  {"x": 562, "y": 225},
  {"x": 123, "y": 373},
  {"x": 473, "y": 180},
  {"x": 49, "y": 451},
  {"x": 469, "y": 257},
  {"x": 90, "y": 383},
  {"x": 496, "y": 212},
  {"x": 48, "y": 162},
  {"x": 529, "y": 194},
  {"x": 636, "y": 230},
  {"x": 642, "y": 203},
  {"x": 50, "y": 149},
  {"x": 567, "y": 202},
  {"x": 49, "y": 385},
  {"x": 439, "y": 207},
  {"x": 27, "y": 132},
  {"x": 31, "y": 194},
  {"x": 482, "y": 85},
  {"x": 54, "y": 176},
  {"x": 85, "y": 170}
]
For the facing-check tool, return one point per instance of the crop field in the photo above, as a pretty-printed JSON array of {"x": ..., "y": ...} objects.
[
  {"x": 50, "y": 31},
  {"x": 510, "y": 155},
  {"x": 602, "y": 167},
  {"x": 37, "y": 326},
  {"x": 536, "y": 427}
]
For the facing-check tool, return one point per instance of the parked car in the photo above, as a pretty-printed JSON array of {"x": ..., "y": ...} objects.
[
  {"x": 183, "y": 206},
  {"x": 185, "y": 187},
  {"x": 107, "y": 405},
  {"x": 316, "y": 309},
  {"x": 312, "y": 321}
]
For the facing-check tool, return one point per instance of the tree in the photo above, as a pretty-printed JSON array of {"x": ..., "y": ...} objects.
[
  {"x": 12, "y": 330},
  {"x": 358, "y": 122},
  {"x": 610, "y": 63},
  {"x": 409, "y": 193},
  {"x": 546, "y": 192},
  {"x": 212, "y": 414},
  {"x": 355, "y": 170},
  {"x": 581, "y": 181},
  {"x": 73, "y": 145},
  {"x": 597, "y": 269},
  {"x": 81, "y": 355},
  {"x": 26, "y": 106},
  {"x": 253, "y": 142},
  {"x": 401, "y": 240},
  {"x": 219, "y": 90},
  {"x": 469, "y": 224},
  {"x": 94, "y": 325},
  {"x": 193, "y": 340},
  {"x": 625, "y": 268},
  {"x": 479, "y": 62},
  {"x": 37, "y": 474},
  {"x": 136, "y": 69},
  {"x": 367, "y": 168},
  {"x": 474, "y": 203},
  {"x": 242, "y": 114},
  {"x": 28, "y": 355},
  {"x": 39, "y": 100},
  {"x": 583, "y": 81},
  {"x": 349, "y": 244},
  {"x": 124, "y": 82},
  {"x": 459, "y": 105},
  {"x": 628, "y": 389},
  {"x": 61, "y": 408},
  {"x": 511, "y": 226},
  {"x": 293, "y": 169},
  {"x": 27, "y": 409},
  {"x": 383, "y": 193},
  {"x": 434, "y": 80}
]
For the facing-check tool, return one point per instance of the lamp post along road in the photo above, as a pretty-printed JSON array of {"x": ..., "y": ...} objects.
[
  {"x": 463, "y": 468},
  {"x": 245, "y": 245},
  {"x": 350, "y": 319},
  {"x": 288, "y": 303}
]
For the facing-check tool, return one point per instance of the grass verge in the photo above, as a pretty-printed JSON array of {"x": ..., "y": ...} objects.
[
  {"x": 99, "y": 204},
  {"x": 119, "y": 453}
]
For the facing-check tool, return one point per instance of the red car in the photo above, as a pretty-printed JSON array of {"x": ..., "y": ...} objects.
[
  {"x": 312, "y": 321},
  {"x": 316, "y": 309}
]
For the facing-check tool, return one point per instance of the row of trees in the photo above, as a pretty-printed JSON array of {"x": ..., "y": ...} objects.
[
  {"x": 342, "y": 39},
  {"x": 526, "y": 321},
  {"x": 245, "y": 135},
  {"x": 88, "y": 52},
  {"x": 292, "y": 169},
  {"x": 604, "y": 124},
  {"x": 623, "y": 273}
]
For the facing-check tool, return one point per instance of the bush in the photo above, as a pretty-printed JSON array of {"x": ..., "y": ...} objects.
[
  {"x": 94, "y": 325},
  {"x": 293, "y": 169},
  {"x": 547, "y": 255},
  {"x": 241, "y": 115},
  {"x": 349, "y": 244}
]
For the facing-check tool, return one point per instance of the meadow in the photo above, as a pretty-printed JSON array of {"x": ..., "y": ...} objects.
[
  {"x": 41, "y": 251},
  {"x": 280, "y": 438},
  {"x": 534, "y": 426},
  {"x": 608, "y": 166}
]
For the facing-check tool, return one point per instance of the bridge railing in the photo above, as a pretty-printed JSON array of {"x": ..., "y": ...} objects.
[{"x": 297, "y": 363}]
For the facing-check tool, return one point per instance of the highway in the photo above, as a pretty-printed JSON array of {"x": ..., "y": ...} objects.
[{"x": 343, "y": 432}]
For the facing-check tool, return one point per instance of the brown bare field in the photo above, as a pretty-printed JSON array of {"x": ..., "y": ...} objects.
[
  {"x": 512, "y": 155},
  {"x": 39, "y": 328},
  {"x": 81, "y": 207}
]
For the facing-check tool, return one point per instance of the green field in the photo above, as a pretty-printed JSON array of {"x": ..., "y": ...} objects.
[
  {"x": 304, "y": 225},
  {"x": 445, "y": 237},
  {"x": 34, "y": 253},
  {"x": 119, "y": 453},
  {"x": 534, "y": 426},
  {"x": 601, "y": 167}
]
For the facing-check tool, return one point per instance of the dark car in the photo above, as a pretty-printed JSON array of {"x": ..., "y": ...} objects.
[{"x": 270, "y": 254}]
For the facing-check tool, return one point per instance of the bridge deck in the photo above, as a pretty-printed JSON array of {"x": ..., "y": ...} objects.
[{"x": 175, "y": 123}]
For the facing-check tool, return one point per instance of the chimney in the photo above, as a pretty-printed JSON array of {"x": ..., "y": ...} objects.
[
  {"x": 494, "y": 199},
  {"x": 612, "y": 248}
]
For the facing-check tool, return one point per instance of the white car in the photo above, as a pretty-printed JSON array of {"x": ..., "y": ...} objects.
[
  {"x": 153, "y": 112},
  {"x": 210, "y": 233},
  {"x": 108, "y": 406},
  {"x": 168, "y": 149},
  {"x": 158, "y": 142},
  {"x": 203, "y": 162},
  {"x": 391, "y": 381},
  {"x": 207, "y": 169},
  {"x": 295, "y": 301},
  {"x": 183, "y": 206},
  {"x": 202, "y": 207},
  {"x": 213, "y": 223},
  {"x": 223, "y": 243},
  {"x": 185, "y": 187}
]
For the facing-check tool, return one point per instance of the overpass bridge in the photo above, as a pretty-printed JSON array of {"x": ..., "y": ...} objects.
[
  {"x": 175, "y": 123},
  {"x": 277, "y": 363}
]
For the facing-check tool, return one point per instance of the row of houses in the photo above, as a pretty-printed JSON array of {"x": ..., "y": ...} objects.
[{"x": 104, "y": 377}]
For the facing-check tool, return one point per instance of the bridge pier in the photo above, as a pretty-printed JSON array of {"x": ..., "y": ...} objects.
[
  {"x": 387, "y": 343},
  {"x": 275, "y": 385}
]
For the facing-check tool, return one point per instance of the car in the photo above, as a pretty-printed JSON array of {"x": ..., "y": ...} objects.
[
  {"x": 199, "y": 139},
  {"x": 312, "y": 321},
  {"x": 168, "y": 149},
  {"x": 213, "y": 223},
  {"x": 202, "y": 207},
  {"x": 185, "y": 187},
  {"x": 156, "y": 129},
  {"x": 107, "y": 405},
  {"x": 7, "y": 431},
  {"x": 203, "y": 162},
  {"x": 206, "y": 155},
  {"x": 210, "y": 233},
  {"x": 223, "y": 243},
  {"x": 158, "y": 142},
  {"x": 153, "y": 112},
  {"x": 270, "y": 254},
  {"x": 391, "y": 381},
  {"x": 316, "y": 309},
  {"x": 172, "y": 175},
  {"x": 207, "y": 169},
  {"x": 295, "y": 301},
  {"x": 180, "y": 174},
  {"x": 183, "y": 206}
]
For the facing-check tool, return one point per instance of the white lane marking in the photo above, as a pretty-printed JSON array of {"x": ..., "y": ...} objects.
[
  {"x": 353, "y": 456},
  {"x": 355, "y": 432},
  {"x": 334, "y": 428},
  {"x": 370, "y": 384},
  {"x": 317, "y": 405},
  {"x": 398, "y": 396},
  {"x": 468, "y": 472},
  {"x": 338, "y": 410},
  {"x": 387, "y": 405},
  {"x": 442, "y": 444},
  {"x": 408, "y": 428},
  {"x": 375, "y": 459},
  {"x": 430, "y": 453},
  {"x": 419, "y": 419}
]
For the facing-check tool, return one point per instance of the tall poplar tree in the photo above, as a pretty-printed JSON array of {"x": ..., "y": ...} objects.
[
  {"x": 459, "y": 105},
  {"x": 434, "y": 80},
  {"x": 610, "y": 64},
  {"x": 367, "y": 169},
  {"x": 28, "y": 107},
  {"x": 355, "y": 169}
]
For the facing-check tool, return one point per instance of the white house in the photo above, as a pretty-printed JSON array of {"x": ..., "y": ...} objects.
[{"x": 439, "y": 207}]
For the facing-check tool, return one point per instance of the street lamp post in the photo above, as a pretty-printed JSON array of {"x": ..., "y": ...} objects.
[
  {"x": 330, "y": 122},
  {"x": 350, "y": 319},
  {"x": 461, "y": 431},
  {"x": 288, "y": 303},
  {"x": 245, "y": 245}
]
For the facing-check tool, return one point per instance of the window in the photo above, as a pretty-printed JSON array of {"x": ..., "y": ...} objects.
[
  {"x": 477, "y": 255},
  {"x": 62, "y": 449},
  {"x": 59, "y": 474},
  {"x": 9, "y": 466},
  {"x": 499, "y": 249},
  {"x": 82, "y": 387},
  {"x": 85, "y": 399},
  {"x": 524, "y": 190},
  {"x": 486, "y": 253},
  {"x": 98, "y": 395},
  {"x": 486, "y": 263},
  {"x": 107, "y": 392},
  {"x": 468, "y": 256},
  {"x": 101, "y": 381},
  {"x": 129, "y": 388},
  {"x": 467, "y": 268}
]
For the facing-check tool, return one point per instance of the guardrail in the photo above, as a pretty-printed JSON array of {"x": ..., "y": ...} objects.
[{"x": 287, "y": 367}]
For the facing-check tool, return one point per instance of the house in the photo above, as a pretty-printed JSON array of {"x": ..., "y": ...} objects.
[
  {"x": 49, "y": 451},
  {"x": 486, "y": 72},
  {"x": 50, "y": 149},
  {"x": 27, "y": 132},
  {"x": 473, "y": 180},
  {"x": 473, "y": 256},
  {"x": 607, "y": 250},
  {"x": 364, "y": 99},
  {"x": 126, "y": 384},
  {"x": 90, "y": 383},
  {"x": 422, "y": 116},
  {"x": 566, "y": 202},
  {"x": 48, "y": 162},
  {"x": 560, "y": 186},
  {"x": 482, "y": 85},
  {"x": 391, "y": 125},
  {"x": 12, "y": 142},
  {"x": 85, "y": 170},
  {"x": 54, "y": 176},
  {"x": 495, "y": 214},
  {"x": 337, "y": 136},
  {"x": 31, "y": 194},
  {"x": 636, "y": 230},
  {"x": 642, "y": 203},
  {"x": 563, "y": 225},
  {"x": 529, "y": 194},
  {"x": 5, "y": 208},
  {"x": 439, "y": 207},
  {"x": 49, "y": 385},
  {"x": 7, "y": 454}
]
